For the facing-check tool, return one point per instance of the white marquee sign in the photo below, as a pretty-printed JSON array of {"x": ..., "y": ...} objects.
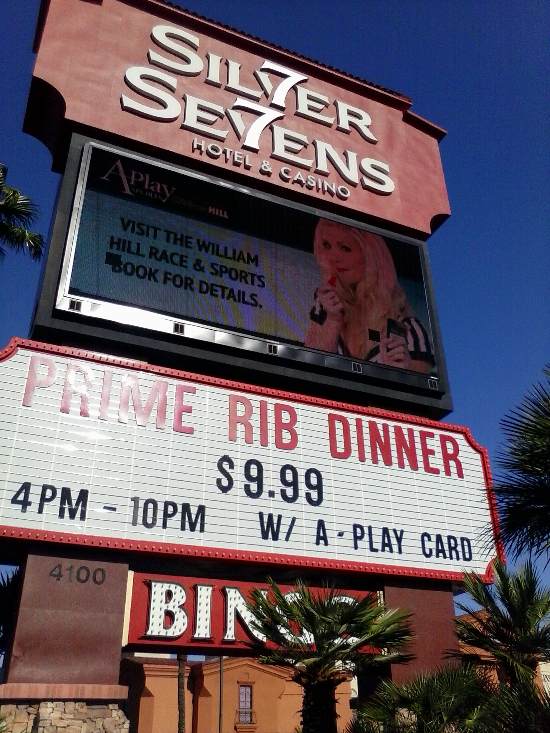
[{"x": 115, "y": 453}]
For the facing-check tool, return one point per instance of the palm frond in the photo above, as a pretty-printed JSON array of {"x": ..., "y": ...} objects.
[
  {"x": 524, "y": 506},
  {"x": 322, "y": 635},
  {"x": 523, "y": 491},
  {"x": 17, "y": 212},
  {"x": 447, "y": 700},
  {"x": 9, "y": 598},
  {"x": 15, "y": 207},
  {"x": 513, "y": 621},
  {"x": 20, "y": 238},
  {"x": 520, "y": 708}
]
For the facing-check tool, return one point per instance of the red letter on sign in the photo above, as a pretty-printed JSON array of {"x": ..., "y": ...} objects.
[
  {"x": 34, "y": 380},
  {"x": 335, "y": 451},
  {"x": 180, "y": 408},
  {"x": 449, "y": 452},
  {"x": 282, "y": 426},
  {"x": 244, "y": 419},
  {"x": 131, "y": 389},
  {"x": 72, "y": 387},
  {"x": 427, "y": 452},
  {"x": 380, "y": 443},
  {"x": 405, "y": 447}
]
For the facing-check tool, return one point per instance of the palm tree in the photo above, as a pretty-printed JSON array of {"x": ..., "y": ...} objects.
[
  {"x": 325, "y": 639},
  {"x": 454, "y": 700},
  {"x": 9, "y": 599},
  {"x": 521, "y": 708},
  {"x": 17, "y": 213},
  {"x": 524, "y": 492},
  {"x": 449, "y": 700},
  {"x": 512, "y": 623}
]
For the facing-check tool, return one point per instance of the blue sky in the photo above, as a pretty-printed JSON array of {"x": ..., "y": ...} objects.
[{"x": 478, "y": 69}]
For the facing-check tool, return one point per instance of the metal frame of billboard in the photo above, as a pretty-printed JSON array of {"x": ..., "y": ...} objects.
[{"x": 58, "y": 310}]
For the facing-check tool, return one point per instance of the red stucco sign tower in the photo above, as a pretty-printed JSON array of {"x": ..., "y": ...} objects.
[{"x": 236, "y": 368}]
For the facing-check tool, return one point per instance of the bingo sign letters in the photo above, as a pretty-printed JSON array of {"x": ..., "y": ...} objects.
[
  {"x": 119, "y": 454},
  {"x": 199, "y": 613}
]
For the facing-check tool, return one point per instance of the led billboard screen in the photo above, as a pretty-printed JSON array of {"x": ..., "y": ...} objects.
[{"x": 151, "y": 239}]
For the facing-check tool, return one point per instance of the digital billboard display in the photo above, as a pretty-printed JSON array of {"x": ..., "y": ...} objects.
[{"x": 149, "y": 239}]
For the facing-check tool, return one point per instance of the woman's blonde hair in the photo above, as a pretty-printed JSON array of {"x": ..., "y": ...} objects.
[{"x": 375, "y": 298}]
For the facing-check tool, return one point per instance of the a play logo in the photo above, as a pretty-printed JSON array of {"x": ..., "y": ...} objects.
[{"x": 138, "y": 183}]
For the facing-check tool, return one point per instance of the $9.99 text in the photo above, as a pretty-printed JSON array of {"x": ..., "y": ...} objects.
[{"x": 291, "y": 484}]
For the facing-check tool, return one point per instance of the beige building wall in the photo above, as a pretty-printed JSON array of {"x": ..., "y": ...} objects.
[
  {"x": 157, "y": 707},
  {"x": 275, "y": 699}
]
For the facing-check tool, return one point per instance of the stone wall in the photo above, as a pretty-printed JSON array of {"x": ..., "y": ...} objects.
[{"x": 63, "y": 717}]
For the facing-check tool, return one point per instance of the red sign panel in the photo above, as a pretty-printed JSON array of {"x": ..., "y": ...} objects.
[
  {"x": 182, "y": 85},
  {"x": 195, "y": 613}
]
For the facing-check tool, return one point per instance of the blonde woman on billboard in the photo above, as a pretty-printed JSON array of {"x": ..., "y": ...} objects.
[{"x": 360, "y": 309}]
